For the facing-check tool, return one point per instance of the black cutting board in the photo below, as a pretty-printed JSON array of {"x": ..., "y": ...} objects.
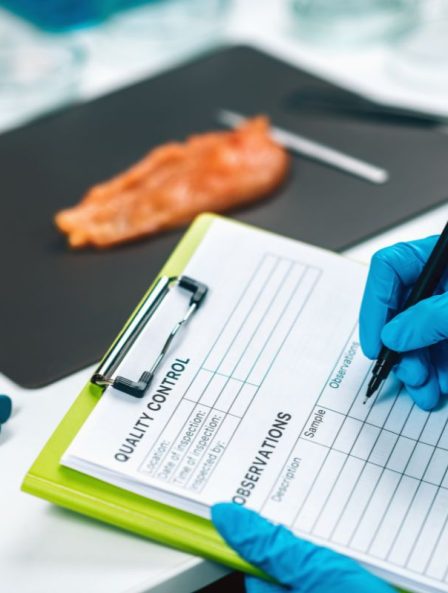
[{"x": 59, "y": 310}]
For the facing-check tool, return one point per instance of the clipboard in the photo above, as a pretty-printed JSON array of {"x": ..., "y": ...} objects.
[
  {"x": 122, "y": 508},
  {"x": 48, "y": 479}
]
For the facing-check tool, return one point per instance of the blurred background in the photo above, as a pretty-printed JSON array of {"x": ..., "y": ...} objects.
[{"x": 55, "y": 52}]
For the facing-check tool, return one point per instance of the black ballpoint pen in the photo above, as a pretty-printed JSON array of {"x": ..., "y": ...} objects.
[{"x": 424, "y": 287}]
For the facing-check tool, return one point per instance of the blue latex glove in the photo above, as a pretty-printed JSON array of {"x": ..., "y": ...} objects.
[
  {"x": 420, "y": 332},
  {"x": 295, "y": 564}
]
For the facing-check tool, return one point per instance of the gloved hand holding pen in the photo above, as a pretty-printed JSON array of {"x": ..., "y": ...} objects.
[
  {"x": 420, "y": 333},
  {"x": 294, "y": 564}
]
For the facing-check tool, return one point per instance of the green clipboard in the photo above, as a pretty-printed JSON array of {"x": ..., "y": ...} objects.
[
  {"x": 48, "y": 479},
  {"x": 94, "y": 498}
]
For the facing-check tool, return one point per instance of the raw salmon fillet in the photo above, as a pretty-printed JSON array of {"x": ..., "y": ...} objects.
[{"x": 209, "y": 172}]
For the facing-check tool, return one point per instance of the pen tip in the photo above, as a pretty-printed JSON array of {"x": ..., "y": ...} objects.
[
  {"x": 365, "y": 401},
  {"x": 371, "y": 388}
]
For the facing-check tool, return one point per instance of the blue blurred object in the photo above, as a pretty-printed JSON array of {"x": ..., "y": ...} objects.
[
  {"x": 297, "y": 565},
  {"x": 60, "y": 15},
  {"x": 420, "y": 333},
  {"x": 5, "y": 408}
]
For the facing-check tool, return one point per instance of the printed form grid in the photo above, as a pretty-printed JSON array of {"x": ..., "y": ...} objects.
[
  {"x": 233, "y": 370},
  {"x": 379, "y": 483}
]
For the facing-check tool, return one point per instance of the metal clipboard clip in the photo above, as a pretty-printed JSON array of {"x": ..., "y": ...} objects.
[{"x": 103, "y": 376}]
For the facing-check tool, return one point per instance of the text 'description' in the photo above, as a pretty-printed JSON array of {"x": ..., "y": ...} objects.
[{"x": 294, "y": 482}]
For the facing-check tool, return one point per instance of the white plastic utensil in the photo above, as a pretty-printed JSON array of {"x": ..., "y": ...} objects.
[{"x": 314, "y": 150}]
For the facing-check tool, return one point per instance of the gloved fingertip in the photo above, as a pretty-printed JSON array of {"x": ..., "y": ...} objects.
[
  {"x": 221, "y": 507},
  {"x": 391, "y": 335},
  {"x": 369, "y": 333},
  {"x": 427, "y": 396},
  {"x": 370, "y": 348},
  {"x": 271, "y": 547},
  {"x": 413, "y": 370},
  {"x": 425, "y": 403},
  {"x": 233, "y": 520},
  {"x": 219, "y": 514}
]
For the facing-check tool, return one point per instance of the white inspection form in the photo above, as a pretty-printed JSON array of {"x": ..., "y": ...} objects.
[{"x": 260, "y": 401}]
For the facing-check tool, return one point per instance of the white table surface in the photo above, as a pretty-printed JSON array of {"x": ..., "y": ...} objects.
[{"x": 44, "y": 549}]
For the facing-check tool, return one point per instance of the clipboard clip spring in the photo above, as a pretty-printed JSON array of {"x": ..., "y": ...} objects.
[{"x": 103, "y": 374}]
